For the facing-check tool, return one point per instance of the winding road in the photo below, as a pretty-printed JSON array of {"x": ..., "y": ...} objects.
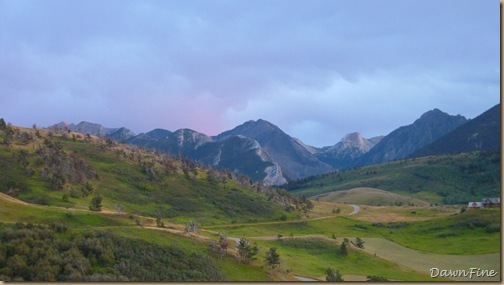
[{"x": 356, "y": 210}]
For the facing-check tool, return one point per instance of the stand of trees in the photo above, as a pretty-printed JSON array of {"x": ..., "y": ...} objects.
[{"x": 49, "y": 253}]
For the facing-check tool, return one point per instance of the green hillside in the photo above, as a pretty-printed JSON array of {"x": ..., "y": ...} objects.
[
  {"x": 448, "y": 179},
  {"x": 69, "y": 170}
]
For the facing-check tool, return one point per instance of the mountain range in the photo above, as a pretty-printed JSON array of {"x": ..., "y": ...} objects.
[{"x": 262, "y": 151}]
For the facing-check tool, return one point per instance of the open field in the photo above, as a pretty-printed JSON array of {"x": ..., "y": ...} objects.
[{"x": 386, "y": 214}]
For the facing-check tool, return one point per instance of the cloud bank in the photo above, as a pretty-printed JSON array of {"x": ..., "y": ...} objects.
[{"x": 317, "y": 69}]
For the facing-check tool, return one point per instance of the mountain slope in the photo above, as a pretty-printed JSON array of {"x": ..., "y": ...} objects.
[
  {"x": 293, "y": 158},
  {"x": 405, "y": 140},
  {"x": 480, "y": 133}
]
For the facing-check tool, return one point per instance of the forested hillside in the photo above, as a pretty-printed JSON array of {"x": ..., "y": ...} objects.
[{"x": 448, "y": 179}]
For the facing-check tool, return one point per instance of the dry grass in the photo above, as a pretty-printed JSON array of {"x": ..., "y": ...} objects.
[
  {"x": 381, "y": 214},
  {"x": 369, "y": 196},
  {"x": 325, "y": 209}
]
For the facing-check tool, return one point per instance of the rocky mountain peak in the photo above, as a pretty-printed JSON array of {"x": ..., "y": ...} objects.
[
  {"x": 433, "y": 112},
  {"x": 185, "y": 136},
  {"x": 354, "y": 139},
  {"x": 436, "y": 114},
  {"x": 347, "y": 150},
  {"x": 252, "y": 129}
]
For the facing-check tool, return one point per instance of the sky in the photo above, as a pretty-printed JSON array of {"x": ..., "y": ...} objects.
[{"x": 317, "y": 69}]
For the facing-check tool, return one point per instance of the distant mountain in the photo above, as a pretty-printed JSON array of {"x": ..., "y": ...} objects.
[
  {"x": 405, "y": 140},
  {"x": 293, "y": 157},
  {"x": 351, "y": 147},
  {"x": 119, "y": 134},
  {"x": 480, "y": 133},
  {"x": 237, "y": 153}
]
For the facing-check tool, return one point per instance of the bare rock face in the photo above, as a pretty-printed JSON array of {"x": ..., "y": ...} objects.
[{"x": 274, "y": 175}]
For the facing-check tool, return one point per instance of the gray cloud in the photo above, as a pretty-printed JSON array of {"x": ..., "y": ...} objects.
[{"x": 318, "y": 70}]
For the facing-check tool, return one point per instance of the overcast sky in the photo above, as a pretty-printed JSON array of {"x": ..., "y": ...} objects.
[{"x": 317, "y": 69}]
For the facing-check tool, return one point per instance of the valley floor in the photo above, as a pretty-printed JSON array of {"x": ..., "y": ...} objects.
[{"x": 299, "y": 241}]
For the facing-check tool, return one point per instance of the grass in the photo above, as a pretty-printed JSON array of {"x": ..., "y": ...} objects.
[
  {"x": 467, "y": 233},
  {"x": 227, "y": 265},
  {"x": 14, "y": 212},
  {"x": 311, "y": 257},
  {"x": 370, "y": 196},
  {"x": 387, "y": 214},
  {"x": 475, "y": 232},
  {"x": 424, "y": 262}
]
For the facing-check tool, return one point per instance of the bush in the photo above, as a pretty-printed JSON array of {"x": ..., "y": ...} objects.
[
  {"x": 333, "y": 275},
  {"x": 360, "y": 226},
  {"x": 95, "y": 204},
  {"x": 40, "y": 200},
  {"x": 493, "y": 228}
]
